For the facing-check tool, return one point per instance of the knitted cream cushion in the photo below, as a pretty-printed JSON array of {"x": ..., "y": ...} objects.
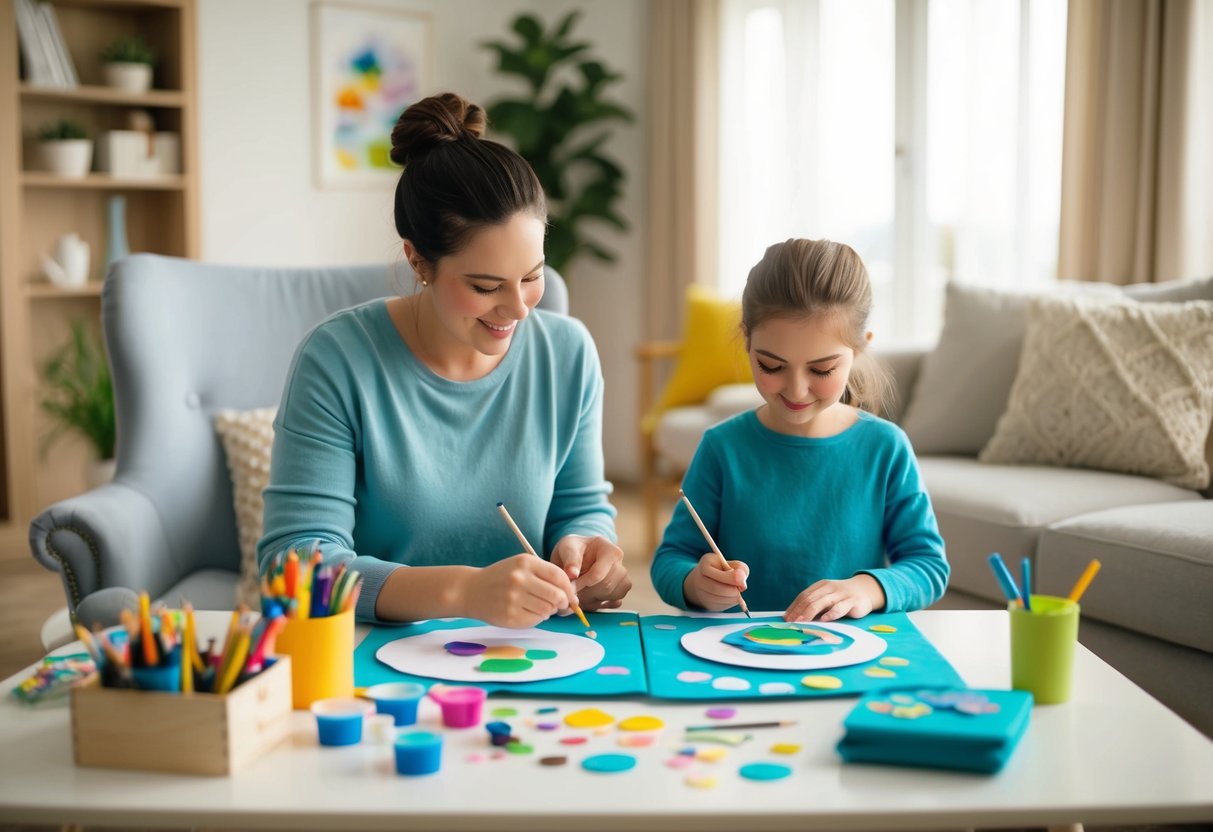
[
  {"x": 1115, "y": 385},
  {"x": 248, "y": 437}
]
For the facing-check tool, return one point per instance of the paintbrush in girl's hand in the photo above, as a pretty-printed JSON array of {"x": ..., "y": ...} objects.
[
  {"x": 526, "y": 544},
  {"x": 724, "y": 563}
]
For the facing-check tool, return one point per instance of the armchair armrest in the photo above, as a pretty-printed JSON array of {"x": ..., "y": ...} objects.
[
  {"x": 110, "y": 536},
  {"x": 903, "y": 362}
]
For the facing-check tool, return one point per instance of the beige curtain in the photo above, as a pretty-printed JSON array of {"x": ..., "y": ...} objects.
[
  {"x": 1128, "y": 142},
  {"x": 682, "y": 133}
]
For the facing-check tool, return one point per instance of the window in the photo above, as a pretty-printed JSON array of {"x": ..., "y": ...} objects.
[{"x": 924, "y": 133}]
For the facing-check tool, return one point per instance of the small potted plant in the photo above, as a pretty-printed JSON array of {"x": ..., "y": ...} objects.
[
  {"x": 79, "y": 397},
  {"x": 128, "y": 64},
  {"x": 66, "y": 148}
]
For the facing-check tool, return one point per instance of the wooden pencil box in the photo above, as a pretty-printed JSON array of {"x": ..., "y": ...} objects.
[{"x": 191, "y": 733}]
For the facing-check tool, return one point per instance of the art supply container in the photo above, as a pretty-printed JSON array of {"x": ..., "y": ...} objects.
[
  {"x": 165, "y": 676},
  {"x": 1042, "y": 648},
  {"x": 322, "y": 657},
  {"x": 380, "y": 729},
  {"x": 399, "y": 699},
  {"x": 418, "y": 752},
  {"x": 339, "y": 721},
  {"x": 461, "y": 706}
]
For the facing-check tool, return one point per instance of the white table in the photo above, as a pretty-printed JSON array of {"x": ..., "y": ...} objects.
[{"x": 1111, "y": 755}]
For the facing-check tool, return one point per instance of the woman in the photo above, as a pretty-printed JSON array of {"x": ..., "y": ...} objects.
[{"x": 404, "y": 422}]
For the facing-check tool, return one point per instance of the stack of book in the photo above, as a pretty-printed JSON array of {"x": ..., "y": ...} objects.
[
  {"x": 46, "y": 59},
  {"x": 955, "y": 728}
]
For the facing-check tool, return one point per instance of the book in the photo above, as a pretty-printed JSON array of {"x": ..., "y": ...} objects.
[
  {"x": 953, "y": 728},
  {"x": 63, "y": 58},
  {"x": 37, "y": 61}
]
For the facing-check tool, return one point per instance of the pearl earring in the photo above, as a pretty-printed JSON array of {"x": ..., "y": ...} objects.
[{"x": 425, "y": 283}]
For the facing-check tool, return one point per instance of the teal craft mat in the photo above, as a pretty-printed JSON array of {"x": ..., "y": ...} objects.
[
  {"x": 621, "y": 642},
  {"x": 665, "y": 658}
]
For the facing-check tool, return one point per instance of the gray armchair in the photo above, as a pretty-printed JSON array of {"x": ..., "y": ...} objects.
[{"x": 186, "y": 339}]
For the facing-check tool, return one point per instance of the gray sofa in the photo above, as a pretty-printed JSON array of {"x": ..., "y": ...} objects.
[{"x": 1149, "y": 613}]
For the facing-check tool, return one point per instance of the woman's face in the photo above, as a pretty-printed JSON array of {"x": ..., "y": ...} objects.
[{"x": 481, "y": 292}]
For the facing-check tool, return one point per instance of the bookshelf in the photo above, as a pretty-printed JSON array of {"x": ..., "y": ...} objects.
[{"x": 37, "y": 208}]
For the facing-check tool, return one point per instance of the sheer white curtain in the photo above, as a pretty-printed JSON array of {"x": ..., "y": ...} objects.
[{"x": 924, "y": 133}]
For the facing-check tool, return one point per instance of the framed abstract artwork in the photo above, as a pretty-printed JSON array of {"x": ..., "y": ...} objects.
[{"x": 368, "y": 64}]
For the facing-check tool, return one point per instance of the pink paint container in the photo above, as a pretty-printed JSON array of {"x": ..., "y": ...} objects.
[{"x": 461, "y": 706}]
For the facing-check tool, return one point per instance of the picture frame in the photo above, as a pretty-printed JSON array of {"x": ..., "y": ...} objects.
[{"x": 368, "y": 64}]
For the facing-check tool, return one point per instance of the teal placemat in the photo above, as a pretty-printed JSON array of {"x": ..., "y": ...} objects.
[
  {"x": 915, "y": 662},
  {"x": 618, "y": 634}
]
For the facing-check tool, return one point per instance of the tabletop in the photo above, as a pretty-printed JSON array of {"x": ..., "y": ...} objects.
[{"x": 1111, "y": 755}]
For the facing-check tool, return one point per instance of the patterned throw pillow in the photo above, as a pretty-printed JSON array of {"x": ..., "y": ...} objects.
[
  {"x": 1119, "y": 386},
  {"x": 248, "y": 437}
]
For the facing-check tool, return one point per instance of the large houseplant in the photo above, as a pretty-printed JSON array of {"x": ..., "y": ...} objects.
[
  {"x": 548, "y": 125},
  {"x": 79, "y": 392}
]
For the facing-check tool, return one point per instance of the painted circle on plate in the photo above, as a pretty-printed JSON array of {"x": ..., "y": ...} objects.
[
  {"x": 426, "y": 654},
  {"x": 708, "y": 643}
]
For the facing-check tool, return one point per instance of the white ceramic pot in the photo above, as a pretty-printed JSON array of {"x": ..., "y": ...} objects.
[
  {"x": 68, "y": 157},
  {"x": 100, "y": 472},
  {"x": 129, "y": 77}
]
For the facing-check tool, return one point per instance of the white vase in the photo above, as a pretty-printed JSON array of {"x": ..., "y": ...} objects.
[
  {"x": 99, "y": 472},
  {"x": 129, "y": 77},
  {"x": 67, "y": 157}
]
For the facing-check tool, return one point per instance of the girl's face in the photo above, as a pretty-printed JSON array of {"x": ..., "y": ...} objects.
[
  {"x": 480, "y": 293},
  {"x": 801, "y": 367}
]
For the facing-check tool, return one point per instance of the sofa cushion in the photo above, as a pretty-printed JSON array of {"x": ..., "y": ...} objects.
[
  {"x": 966, "y": 380},
  {"x": 680, "y": 429},
  {"x": 248, "y": 438},
  {"x": 1157, "y": 568},
  {"x": 1003, "y": 508},
  {"x": 1120, "y": 386}
]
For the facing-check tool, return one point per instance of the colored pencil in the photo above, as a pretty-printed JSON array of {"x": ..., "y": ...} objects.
[
  {"x": 1004, "y": 578},
  {"x": 1025, "y": 570},
  {"x": 739, "y": 726},
  {"x": 1084, "y": 580},
  {"x": 526, "y": 544},
  {"x": 724, "y": 563}
]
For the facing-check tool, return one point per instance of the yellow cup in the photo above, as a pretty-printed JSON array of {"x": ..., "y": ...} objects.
[
  {"x": 322, "y": 657},
  {"x": 1042, "y": 648}
]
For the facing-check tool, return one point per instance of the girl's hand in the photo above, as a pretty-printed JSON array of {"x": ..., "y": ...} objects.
[
  {"x": 519, "y": 591},
  {"x": 712, "y": 588},
  {"x": 828, "y": 600},
  {"x": 595, "y": 565}
]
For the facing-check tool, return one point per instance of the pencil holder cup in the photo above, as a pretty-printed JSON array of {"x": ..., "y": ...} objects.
[
  {"x": 461, "y": 706},
  {"x": 400, "y": 699},
  {"x": 339, "y": 721},
  {"x": 418, "y": 752},
  {"x": 322, "y": 657},
  {"x": 165, "y": 676},
  {"x": 1042, "y": 648}
]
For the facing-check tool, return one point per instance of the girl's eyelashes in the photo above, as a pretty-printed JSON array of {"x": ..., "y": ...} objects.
[
  {"x": 769, "y": 370},
  {"x": 823, "y": 373},
  {"x": 818, "y": 373},
  {"x": 480, "y": 290}
]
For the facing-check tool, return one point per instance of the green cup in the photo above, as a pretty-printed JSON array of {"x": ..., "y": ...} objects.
[{"x": 1042, "y": 648}]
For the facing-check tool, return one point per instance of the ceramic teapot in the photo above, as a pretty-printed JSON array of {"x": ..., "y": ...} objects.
[{"x": 69, "y": 266}]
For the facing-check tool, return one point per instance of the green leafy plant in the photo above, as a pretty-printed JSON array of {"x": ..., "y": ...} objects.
[
  {"x": 566, "y": 95},
  {"x": 128, "y": 49},
  {"x": 62, "y": 130},
  {"x": 80, "y": 392}
]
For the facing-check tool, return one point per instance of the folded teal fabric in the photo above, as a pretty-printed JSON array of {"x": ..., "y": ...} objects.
[{"x": 951, "y": 728}]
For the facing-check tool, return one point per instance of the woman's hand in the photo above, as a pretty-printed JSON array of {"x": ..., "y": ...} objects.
[
  {"x": 712, "y": 588},
  {"x": 519, "y": 591},
  {"x": 828, "y": 600},
  {"x": 595, "y": 565}
]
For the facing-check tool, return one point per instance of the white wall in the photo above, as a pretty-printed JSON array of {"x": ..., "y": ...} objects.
[{"x": 261, "y": 206}]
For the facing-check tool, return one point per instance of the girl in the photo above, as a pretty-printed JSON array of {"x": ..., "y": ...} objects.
[
  {"x": 822, "y": 497},
  {"x": 405, "y": 421}
]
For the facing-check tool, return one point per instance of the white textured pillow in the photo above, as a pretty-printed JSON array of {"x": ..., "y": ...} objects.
[
  {"x": 248, "y": 437},
  {"x": 965, "y": 381},
  {"x": 1119, "y": 386}
]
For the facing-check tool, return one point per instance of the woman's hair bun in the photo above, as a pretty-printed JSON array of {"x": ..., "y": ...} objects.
[{"x": 433, "y": 121}]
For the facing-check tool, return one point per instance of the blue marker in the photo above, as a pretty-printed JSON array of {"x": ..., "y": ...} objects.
[
  {"x": 1026, "y": 572},
  {"x": 1004, "y": 577}
]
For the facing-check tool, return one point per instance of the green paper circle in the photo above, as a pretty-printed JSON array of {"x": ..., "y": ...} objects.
[{"x": 505, "y": 665}]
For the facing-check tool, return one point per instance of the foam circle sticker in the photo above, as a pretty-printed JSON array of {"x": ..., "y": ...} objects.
[
  {"x": 776, "y": 689},
  {"x": 588, "y": 718},
  {"x": 694, "y": 676},
  {"x": 820, "y": 645},
  {"x": 426, "y": 654},
  {"x": 641, "y": 723},
  {"x": 882, "y": 628},
  {"x": 822, "y": 682},
  {"x": 764, "y": 771},
  {"x": 464, "y": 648},
  {"x": 609, "y": 763}
]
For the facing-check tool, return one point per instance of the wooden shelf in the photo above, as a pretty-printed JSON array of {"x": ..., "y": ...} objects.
[
  {"x": 119, "y": 5},
  {"x": 49, "y": 291},
  {"x": 86, "y": 94},
  {"x": 103, "y": 182}
]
